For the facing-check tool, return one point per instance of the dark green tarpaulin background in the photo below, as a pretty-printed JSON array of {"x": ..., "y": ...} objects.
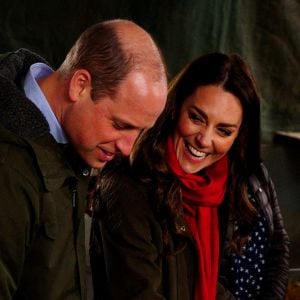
[{"x": 266, "y": 33}]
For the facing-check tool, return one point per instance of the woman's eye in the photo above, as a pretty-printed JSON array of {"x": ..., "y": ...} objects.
[
  {"x": 225, "y": 131},
  {"x": 196, "y": 117}
]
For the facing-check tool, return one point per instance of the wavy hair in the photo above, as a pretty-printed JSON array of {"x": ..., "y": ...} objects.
[{"x": 148, "y": 157}]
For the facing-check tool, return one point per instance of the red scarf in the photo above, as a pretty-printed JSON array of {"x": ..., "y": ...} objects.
[{"x": 201, "y": 196}]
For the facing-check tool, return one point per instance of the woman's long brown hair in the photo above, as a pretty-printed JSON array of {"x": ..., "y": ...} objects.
[{"x": 148, "y": 159}]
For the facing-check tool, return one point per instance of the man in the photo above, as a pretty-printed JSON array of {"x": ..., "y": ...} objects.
[{"x": 111, "y": 86}]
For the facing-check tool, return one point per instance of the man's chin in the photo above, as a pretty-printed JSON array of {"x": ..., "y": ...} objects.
[
  {"x": 98, "y": 164},
  {"x": 95, "y": 164}
]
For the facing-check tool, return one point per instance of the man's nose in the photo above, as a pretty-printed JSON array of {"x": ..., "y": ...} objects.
[{"x": 125, "y": 144}]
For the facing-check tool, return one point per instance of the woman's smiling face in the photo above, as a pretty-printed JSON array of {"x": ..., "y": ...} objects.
[{"x": 207, "y": 127}]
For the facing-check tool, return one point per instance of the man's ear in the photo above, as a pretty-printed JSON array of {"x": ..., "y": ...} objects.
[{"x": 80, "y": 85}]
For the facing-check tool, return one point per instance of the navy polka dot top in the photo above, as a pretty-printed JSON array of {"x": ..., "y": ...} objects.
[{"x": 247, "y": 270}]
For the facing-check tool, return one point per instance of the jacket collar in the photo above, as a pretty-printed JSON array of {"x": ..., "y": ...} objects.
[
  {"x": 52, "y": 162},
  {"x": 17, "y": 113},
  {"x": 25, "y": 124}
]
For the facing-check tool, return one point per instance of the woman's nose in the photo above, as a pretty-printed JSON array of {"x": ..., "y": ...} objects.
[{"x": 204, "y": 138}]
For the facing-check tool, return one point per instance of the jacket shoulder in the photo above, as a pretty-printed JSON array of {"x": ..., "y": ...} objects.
[
  {"x": 4, "y": 55},
  {"x": 122, "y": 196},
  {"x": 16, "y": 155},
  {"x": 119, "y": 180}
]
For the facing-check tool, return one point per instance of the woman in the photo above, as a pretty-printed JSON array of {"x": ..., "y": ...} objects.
[{"x": 193, "y": 194}]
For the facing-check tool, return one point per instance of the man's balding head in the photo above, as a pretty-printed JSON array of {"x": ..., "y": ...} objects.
[
  {"x": 113, "y": 86},
  {"x": 111, "y": 50}
]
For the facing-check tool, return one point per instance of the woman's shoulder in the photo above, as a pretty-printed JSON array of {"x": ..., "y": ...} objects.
[
  {"x": 120, "y": 188},
  {"x": 263, "y": 190},
  {"x": 260, "y": 177},
  {"x": 119, "y": 177},
  {"x": 125, "y": 205}
]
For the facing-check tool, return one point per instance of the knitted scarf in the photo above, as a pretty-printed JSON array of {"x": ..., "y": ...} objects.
[{"x": 201, "y": 196}]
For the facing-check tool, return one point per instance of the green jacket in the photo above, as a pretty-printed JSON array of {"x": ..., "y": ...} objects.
[
  {"x": 42, "y": 253},
  {"x": 126, "y": 250},
  {"x": 127, "y": 257},
  {"x": 127, "y": 245}
]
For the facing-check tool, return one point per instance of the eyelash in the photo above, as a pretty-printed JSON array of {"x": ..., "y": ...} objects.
[
  {"x": 118, "y": 126},
  {"x": 199, "y": 119},
  {"x": 225, "y": 132},
  {"x": 196, "y": 118}
]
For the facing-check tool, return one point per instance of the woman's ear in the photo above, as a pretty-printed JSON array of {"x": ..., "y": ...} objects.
[{"x": 80, "y": 85}]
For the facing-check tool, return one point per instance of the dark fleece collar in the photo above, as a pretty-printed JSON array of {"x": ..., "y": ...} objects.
[
  {"x": 17, "y": 113},
  {"x": 20, "y": 116}
]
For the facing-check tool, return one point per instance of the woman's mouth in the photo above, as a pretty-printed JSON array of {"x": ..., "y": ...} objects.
[{"x": 199, "y": 155}]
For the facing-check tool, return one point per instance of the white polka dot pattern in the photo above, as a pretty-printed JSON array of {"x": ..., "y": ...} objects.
[{"x": 247, "y": 270}]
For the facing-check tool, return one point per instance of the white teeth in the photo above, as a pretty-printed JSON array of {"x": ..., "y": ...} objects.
[{"x": 196, "y": 153}]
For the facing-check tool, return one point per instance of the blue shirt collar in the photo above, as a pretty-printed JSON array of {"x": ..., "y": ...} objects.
[{"x": 35, "y": 94}]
